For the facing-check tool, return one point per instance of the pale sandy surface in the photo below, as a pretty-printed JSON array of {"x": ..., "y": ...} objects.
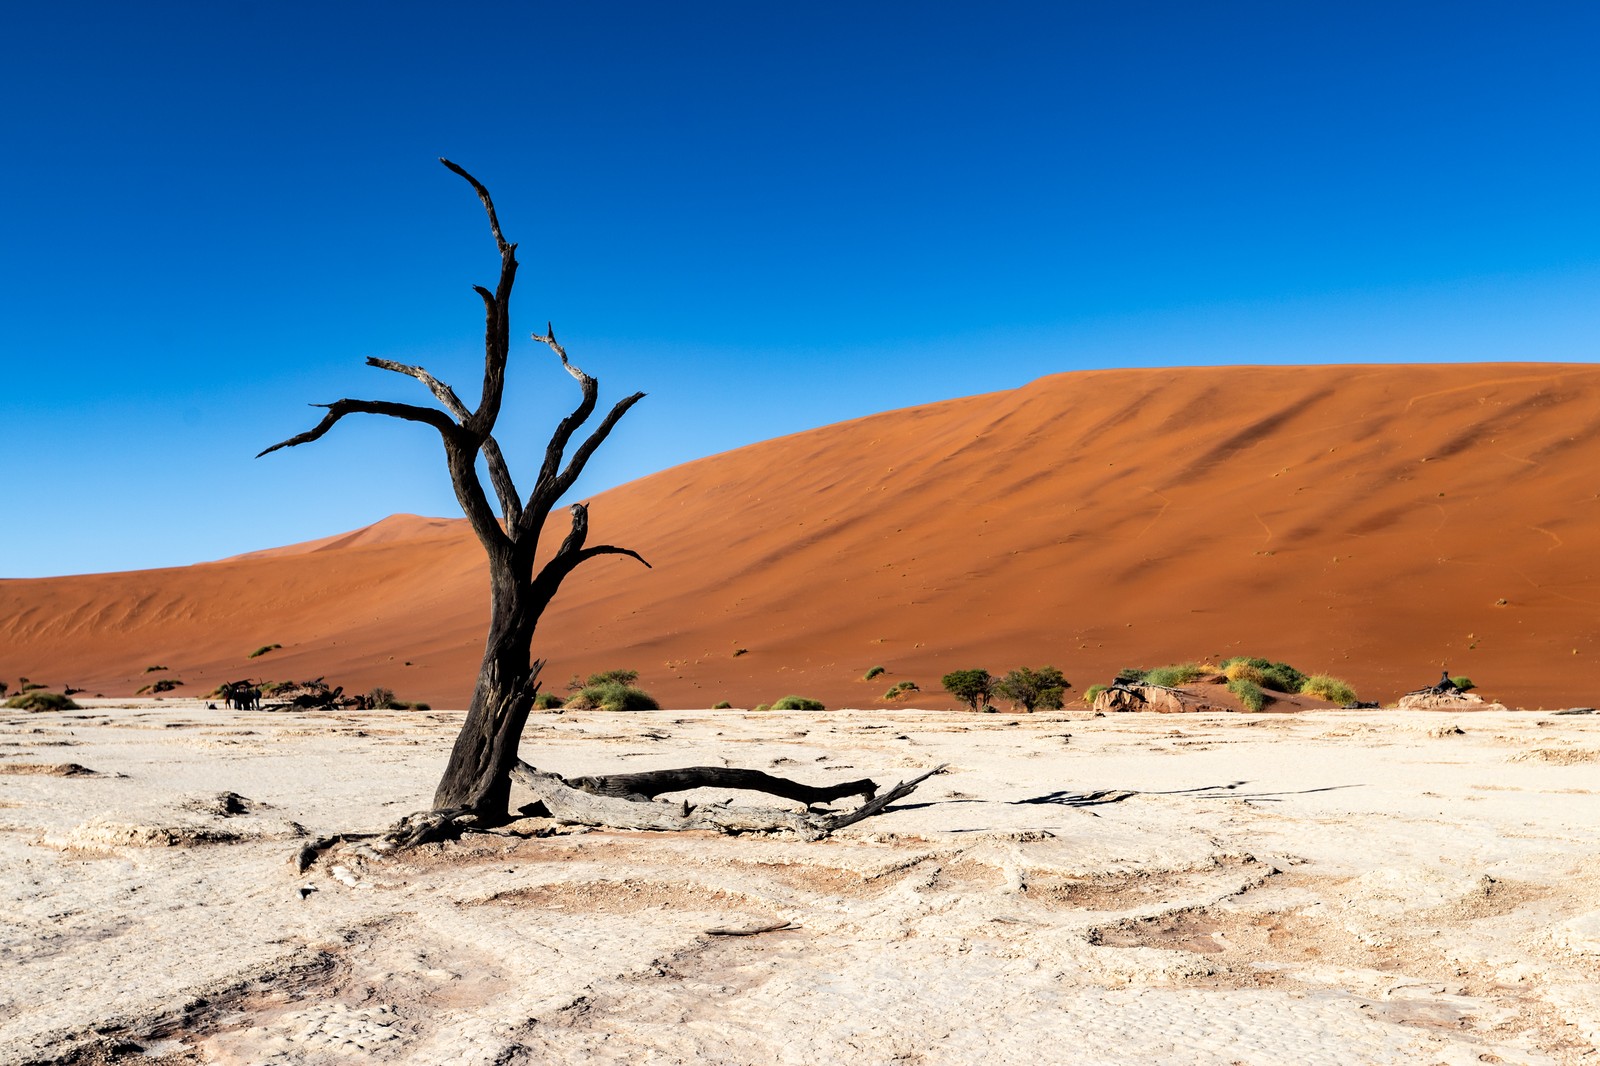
[{"x": 1331, "y": 888}]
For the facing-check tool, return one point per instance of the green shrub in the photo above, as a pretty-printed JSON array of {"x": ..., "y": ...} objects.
[
  {"x": 165, "y": 684},
  {"x": 259, "y": 652},
  {"x": 547, "y": 701},
  {"x": 24, "y": 685},
  {"x": 1241, "y": 670},
  {"x": 900, "y": 689},
  {"x": 381, "y": 699},
  {"x": 1280, "y": 677},
  {"x": 1029, "y": 689},
  {"x": 761, "y": 707},
  {"x": 798, "y": 703},
  {"x": 1175, "y": 675},
  {"x": 722, "y": 705},
  {"x": 874, "y": 672},
  {"x": 39, "y": 700},
  {"x": 1092, "y": 691},
  {"x": 613, "y": 695},
  {"x": 1328, "y": 688},
  {"x": 1130, "y": 674},
  {"x": 610, "y": 677},
  {"x": 1463, "y": 683},
  {"x": 972, "y": 687},
  {"x": 1250, "y": 694}
]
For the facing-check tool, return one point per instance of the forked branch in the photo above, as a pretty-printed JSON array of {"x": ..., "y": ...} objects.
[{"x": 499, "y": 473}]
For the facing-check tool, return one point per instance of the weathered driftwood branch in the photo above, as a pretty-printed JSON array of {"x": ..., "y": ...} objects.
[{"x": 594, "y": 806}]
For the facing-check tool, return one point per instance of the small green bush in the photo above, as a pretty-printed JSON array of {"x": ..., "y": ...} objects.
[
  {"x": 972, "y": 687},
  {"x": 1463, "y": 683},
  {"x": 381, "y": 699},
  {"x": 609, "y": 677},
  {"x": 722, "y": 705},
  {"x": 613, "y": 695},
  {"x": 1175, "y": 675},
  {"x": 1250, "y": 694},
  {"x": 1092, "y": 691},
  {"x": 874, "y": 672},
  {"x": 1328, "y": 688},
  {"x": 1280, "y": 677},
  {"x": 259, "y": 652},
  {"x": 40, "y": 700},
  {"x": 1130, "y": 674},
  {"x": 547, "y": 701},
  {"x": 798, "y": 703},
  {"x": 761, "y": 707},
  {"x": 901, "y": 689},
  {"x": 1031, "y": 689},
  {"x": 165, "y": 684}
]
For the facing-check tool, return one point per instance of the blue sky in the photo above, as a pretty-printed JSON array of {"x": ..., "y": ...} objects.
[{"x": 768, "y": 217}]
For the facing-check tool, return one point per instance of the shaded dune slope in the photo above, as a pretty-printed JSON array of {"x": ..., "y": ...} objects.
[{"x": 1363, "y": 521}]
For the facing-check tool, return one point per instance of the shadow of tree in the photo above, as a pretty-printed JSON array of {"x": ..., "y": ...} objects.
[{"x": 1100, "y": 797}]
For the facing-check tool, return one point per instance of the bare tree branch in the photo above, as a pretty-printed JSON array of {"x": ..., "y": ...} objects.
[
  {"x": 497, "y": 317},
  {"x": 549, "y": 337},
  {"x": 445, "y": 393},
  {"x": 488, "y": 204},
  {"x": 556, "y": 450},
  {"x": 339, "y": 408},
  {"x": 609, "y": 549}
]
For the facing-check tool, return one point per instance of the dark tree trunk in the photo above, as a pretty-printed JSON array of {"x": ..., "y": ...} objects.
[{"x": 478, "y": 776}]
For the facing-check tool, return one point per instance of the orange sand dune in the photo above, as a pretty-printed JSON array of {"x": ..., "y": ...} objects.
[{"x": 1374, "y": 522}]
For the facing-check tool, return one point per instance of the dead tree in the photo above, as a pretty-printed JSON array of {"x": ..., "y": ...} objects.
[{"x": 475, "y": 787}]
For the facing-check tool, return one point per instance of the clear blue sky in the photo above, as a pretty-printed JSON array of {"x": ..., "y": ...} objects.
[{"x": 767, "y": 216}]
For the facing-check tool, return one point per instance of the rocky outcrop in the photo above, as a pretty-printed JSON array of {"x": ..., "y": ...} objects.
[
  {"x": 1158, "y": 698},
  {"x": 1446, "y": 701}
]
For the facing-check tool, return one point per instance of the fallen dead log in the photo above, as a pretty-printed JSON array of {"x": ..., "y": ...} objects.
[
  {"x": 652, "y": 783},
  {"x": 602, "y": 801},
  {"x": 628, "y": 801}
]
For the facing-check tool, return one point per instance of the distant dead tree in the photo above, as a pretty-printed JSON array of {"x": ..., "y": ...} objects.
[{"x": 475, "y": 787}]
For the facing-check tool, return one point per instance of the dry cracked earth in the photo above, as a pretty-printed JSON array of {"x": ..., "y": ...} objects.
[{"x": 1333, "y": 888}]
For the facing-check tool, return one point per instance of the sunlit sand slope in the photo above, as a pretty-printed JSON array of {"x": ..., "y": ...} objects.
[{"x": 1377, "y": 523}]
